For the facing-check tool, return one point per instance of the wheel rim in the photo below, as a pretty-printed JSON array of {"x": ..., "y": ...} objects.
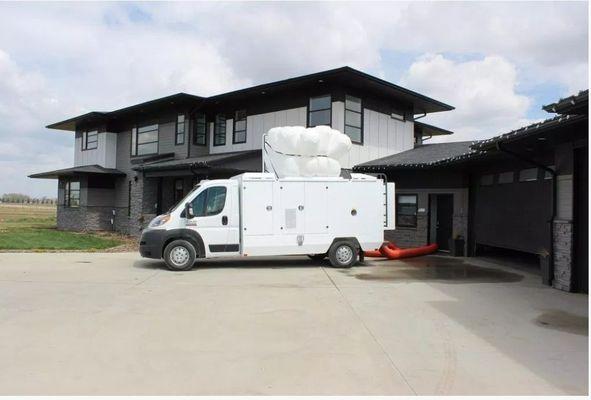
[
  {"x": 344, "y": 254},
  {"x": 179, "y": 256}
]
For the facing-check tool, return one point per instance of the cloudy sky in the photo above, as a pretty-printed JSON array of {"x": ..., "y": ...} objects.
[{"x": 497, "y": 63}]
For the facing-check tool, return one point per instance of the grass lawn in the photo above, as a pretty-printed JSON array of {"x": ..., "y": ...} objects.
[{"x": 32, "y": 227}]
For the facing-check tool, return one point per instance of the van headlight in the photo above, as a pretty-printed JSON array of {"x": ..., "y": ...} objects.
[{"x": 159, "y": 221}]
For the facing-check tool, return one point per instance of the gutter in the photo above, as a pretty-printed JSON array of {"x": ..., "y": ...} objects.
[{"x": 502, "y": 149}]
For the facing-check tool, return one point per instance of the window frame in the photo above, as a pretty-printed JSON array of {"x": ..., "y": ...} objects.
[
  {"x": 234, "y": 141},
  {"x": 360, "y": 112},
  {"x": 135, "y": 133},
  {"x": 177, "y": 132},
  {"x": 216, "y": 125},
  {"x": 68, "y": 193},
  {"x": 196, "y": 124},
  {"x": 416, "y": 196},
  {"x": 85, "y": 141},
  {"x": 205, "y": 202},
  {"x": 309, "y": 111}
]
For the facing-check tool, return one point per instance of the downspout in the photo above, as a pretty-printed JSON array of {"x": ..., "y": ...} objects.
[{"x": 553, "y": 216}]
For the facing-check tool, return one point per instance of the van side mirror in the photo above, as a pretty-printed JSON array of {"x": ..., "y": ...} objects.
[{"x": 188, "y": 211}]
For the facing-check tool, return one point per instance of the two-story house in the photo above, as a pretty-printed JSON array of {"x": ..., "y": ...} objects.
[{"x": 136, "y": 162}]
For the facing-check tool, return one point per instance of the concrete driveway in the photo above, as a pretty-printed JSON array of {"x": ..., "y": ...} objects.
[{"x": 82, "y": 323}]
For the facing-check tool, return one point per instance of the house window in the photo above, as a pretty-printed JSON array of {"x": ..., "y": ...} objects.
[
  {"x": 239, "y": 127},
  {"x": 353, "y": 119},
  {"x": 180, "y": 129},
  {"x": 89, "y": 140},
  {"x": 178, "y": 190},
  {"x": 219, "y": 130},
  {"x": 144, "y": 140},
  {"x": 506, "y": 177},
  {"x": 486, "y": 180},
  {"x": 528, "y": 175},
  {"x": 209, "y": 202},
  {"x": 200, "y": 130},
  {"x": 319, "y": 111},
  {"x": 72, "y": 194},
  {"x": 406, "y": 210}
]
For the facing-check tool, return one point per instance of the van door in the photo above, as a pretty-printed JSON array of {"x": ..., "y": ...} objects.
[{"x": 215, "y": 220}]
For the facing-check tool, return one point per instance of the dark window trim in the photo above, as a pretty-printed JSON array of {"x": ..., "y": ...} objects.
[
  {"x": 234, "y": 141},
  {"x": 416, "y": 213},
  {"x": 195, "y": 124},
  {"x": 85, "y": 142},
  {"x": 135, "y": 130},
  {"x": 68, "y": 192},
  {"x": 329, "y": 95},
  {"x": 176, "y": 134},
  {"x": 360, "y": 114},
  {"x": 215, "y": 127}
]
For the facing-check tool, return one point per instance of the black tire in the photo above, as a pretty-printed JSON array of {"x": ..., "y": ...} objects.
[
  {"x": 179, "y": 255},
  {"x": 317, "y": 257},
  {"x": 343, "y": 254}
]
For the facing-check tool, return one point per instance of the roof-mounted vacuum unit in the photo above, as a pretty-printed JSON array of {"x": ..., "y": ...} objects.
[{"x": 295, "y": 151}]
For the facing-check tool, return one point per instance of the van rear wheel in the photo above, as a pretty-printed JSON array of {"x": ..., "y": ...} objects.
[
  {"x": 342, "y": 254},
  {"x": 179, "y": 255}
]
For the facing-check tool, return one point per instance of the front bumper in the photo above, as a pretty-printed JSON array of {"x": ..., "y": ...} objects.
[{"x": 151, "y": 243}]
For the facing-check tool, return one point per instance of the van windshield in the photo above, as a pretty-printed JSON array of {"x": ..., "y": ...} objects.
[{"x": 182, "y": 200}]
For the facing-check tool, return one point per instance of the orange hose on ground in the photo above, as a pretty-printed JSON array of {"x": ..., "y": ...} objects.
[{"x": 390, "y": 251}]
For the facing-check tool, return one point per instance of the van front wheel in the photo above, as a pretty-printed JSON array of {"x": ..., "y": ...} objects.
[
  {"x": 179, "y": 255},
  {"x": 342, "y": 254}
]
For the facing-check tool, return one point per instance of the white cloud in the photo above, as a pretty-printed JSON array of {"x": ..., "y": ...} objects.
[
  {"x": 61, "y": 59},
  {"x": 483, "y": 92}
]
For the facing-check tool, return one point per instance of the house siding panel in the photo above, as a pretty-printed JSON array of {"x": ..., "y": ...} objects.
[{"x": 103, "y": 155}]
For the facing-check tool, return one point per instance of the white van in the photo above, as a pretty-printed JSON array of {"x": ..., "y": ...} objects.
[{"x": 258, "y": 214}]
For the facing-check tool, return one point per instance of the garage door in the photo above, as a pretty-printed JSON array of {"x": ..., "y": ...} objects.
[{"x": 512, "y": 210}]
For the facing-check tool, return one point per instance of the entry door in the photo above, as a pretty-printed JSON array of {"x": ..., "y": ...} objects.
[
  {"x": 444, "y": 222},
  {"x": 212, "y": 213}
]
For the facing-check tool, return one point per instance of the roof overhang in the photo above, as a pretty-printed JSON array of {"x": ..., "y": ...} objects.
[
  {"x": 423, "y": 129},
  {"x": 576, "y": 104},
  {"x": 78, "y": 171},
  {"x": 95, "y": 117}
]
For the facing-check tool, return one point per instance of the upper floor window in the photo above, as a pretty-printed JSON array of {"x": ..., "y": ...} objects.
[
  {"x": 353, "y": 119},
  {"x": 406, "y": 210},
  {"x": 319, "y": 111},
  {"x": 219, "y": 130},
  {"x": 89, "y": 140},
  {"x": 239, "y": 127},
  {"x": 200, "y": 130},
  {"x": 180, "y": 129},
  {"x": 72, "y": 194},
  {"x": 144, "y": 140}
]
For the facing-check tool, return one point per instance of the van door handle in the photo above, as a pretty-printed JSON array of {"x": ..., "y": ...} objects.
[{"x": 224, "y": 220}]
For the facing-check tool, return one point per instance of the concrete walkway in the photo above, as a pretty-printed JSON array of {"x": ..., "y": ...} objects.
[{"x": 83, "y": 323}]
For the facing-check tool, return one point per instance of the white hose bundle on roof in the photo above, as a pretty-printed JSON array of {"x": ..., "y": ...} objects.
[{"x": 297, "y": 151}]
